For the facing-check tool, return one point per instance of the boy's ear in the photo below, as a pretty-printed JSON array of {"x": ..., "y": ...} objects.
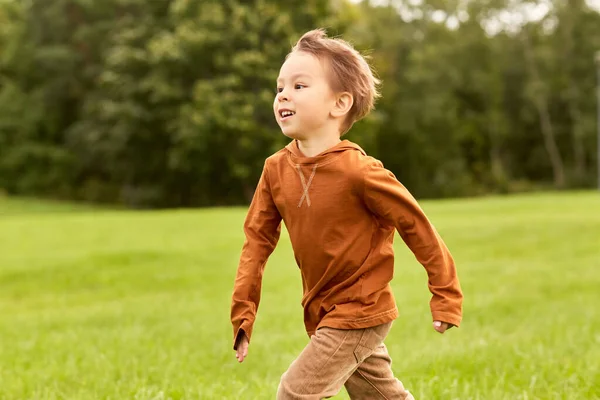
[{"x": 343, "y": 104}]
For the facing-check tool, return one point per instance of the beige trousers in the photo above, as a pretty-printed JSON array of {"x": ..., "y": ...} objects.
[{"x": 356, "y": 359}]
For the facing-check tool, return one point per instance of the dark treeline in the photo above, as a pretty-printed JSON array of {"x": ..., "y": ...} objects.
[{"x": 168, "y": 103}]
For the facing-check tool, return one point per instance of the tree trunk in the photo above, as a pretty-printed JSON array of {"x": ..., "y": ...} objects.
[
  {"x": 541, "y": 103},
  {"x": 572, "y": 94},
  {"x": 577, "y": 135},
  {"x": 497, "y": 167}
]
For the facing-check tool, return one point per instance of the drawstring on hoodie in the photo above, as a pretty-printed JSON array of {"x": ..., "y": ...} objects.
[
  {"x": 298, "y": 159},
  {"x": 306, "y": 185}
]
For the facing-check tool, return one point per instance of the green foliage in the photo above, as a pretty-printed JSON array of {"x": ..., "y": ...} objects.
[{"x": 168, "y": 103}]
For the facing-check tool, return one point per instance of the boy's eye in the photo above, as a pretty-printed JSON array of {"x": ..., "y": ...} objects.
[
  {"x": 279, "y": 89},
  {"x": 299, "y": 86}
]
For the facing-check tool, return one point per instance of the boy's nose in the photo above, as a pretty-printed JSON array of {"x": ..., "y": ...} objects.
[{"x": 282, "y": 96}]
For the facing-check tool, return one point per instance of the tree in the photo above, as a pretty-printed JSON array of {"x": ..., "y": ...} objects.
[{"x": 169, "y": 103}]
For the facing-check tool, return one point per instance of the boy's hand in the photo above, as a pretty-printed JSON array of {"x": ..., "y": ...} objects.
[
  {"x": 242, "y": 348},
  {"x": 441, "y": 327}
]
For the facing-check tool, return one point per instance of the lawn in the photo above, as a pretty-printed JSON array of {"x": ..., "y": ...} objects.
[{"x": 101, "y": 304}]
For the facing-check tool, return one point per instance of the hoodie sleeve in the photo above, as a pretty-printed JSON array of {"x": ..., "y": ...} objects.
[
  {"x": 262, "y": 228},
  {"x": 387, "y": 198}
]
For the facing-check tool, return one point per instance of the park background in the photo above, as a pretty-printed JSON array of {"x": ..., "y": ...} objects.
[{"x": 133, "y": 133}]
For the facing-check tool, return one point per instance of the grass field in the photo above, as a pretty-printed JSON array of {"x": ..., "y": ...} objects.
[{"x": 98, "y": 304}]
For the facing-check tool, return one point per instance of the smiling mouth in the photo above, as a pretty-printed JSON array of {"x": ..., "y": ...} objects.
[{"x": 285, "y": 114}]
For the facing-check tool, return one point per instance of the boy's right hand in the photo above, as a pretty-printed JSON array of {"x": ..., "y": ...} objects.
[{"x": 242, "y": 347}]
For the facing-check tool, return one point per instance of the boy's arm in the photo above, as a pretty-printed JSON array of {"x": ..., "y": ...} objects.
[
  {"x": 262, "y": 228},
  {"x": 386, "y": 197}
]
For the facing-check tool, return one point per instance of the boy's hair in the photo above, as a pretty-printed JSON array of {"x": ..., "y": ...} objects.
[{"x": 350, "y": 72}]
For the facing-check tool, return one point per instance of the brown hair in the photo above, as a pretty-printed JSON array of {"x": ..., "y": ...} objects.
[{"x": 350, "y": 71}]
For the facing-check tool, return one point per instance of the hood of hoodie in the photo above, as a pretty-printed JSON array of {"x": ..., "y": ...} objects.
[{"x": 297, "y": 157}]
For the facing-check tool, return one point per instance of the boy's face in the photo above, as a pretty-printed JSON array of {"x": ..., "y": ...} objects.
[{"x": 304, "y": 98}]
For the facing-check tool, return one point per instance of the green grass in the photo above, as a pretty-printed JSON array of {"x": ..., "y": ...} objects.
[
  {"x": 12, "y": 206},
  {"x": 101, "y": 304}
]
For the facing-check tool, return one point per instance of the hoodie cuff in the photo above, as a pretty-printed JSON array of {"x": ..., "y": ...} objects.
[
  {"x": 245, "y": 328},
  {"x": 447, "y": 317}
]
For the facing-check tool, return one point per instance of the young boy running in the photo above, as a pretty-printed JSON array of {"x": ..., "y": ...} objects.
[{"x": 341, "y": 209}]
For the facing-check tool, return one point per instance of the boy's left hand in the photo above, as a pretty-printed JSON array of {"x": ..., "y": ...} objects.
[{"x": 441, "y": 327}]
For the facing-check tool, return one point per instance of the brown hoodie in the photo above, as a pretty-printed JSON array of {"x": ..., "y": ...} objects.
[{"x": 341, "y": 209}]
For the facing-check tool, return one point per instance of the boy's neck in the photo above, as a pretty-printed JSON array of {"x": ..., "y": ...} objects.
[{"x": 316, "y": 145}]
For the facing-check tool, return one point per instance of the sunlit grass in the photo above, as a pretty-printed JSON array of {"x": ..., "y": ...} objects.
[{"x": 98, "y": 304}]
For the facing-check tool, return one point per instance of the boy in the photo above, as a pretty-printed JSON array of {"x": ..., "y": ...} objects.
[{"x": 341, "y": 208}]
